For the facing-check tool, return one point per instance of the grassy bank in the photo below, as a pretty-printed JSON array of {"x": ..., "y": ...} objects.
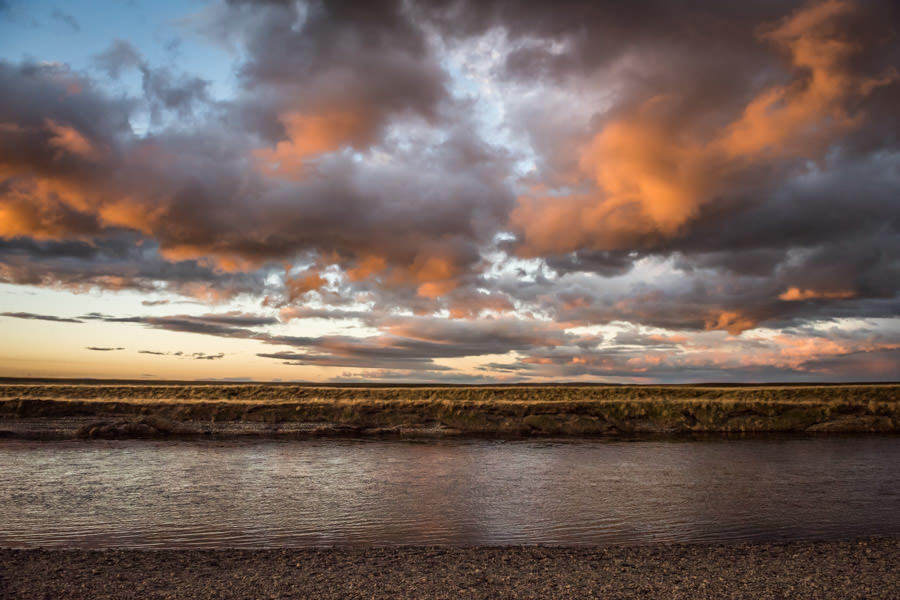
[{"x": 502, "y": 411}]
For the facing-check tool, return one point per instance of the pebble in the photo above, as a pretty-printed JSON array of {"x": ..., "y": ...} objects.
[{"x": 836, "y": 569}]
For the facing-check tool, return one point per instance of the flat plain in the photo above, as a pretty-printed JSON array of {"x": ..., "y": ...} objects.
[{"x": 139, "y": 409}]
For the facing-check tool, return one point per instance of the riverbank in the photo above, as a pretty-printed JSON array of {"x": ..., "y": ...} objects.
[
  {"x": 836, "y": 569},
  {"x": 98, "y": 410}
]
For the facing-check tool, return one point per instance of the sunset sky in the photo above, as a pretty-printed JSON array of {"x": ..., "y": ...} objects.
[{"x": 468, "y": 192}]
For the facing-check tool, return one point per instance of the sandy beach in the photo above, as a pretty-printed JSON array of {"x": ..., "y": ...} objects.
[{"x": 843, "y": 569}]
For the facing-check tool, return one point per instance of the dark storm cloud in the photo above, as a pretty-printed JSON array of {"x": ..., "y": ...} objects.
[
  {"x": 416, "y": 221},
  {"x": 118, "y": 261},
  {"x": 608, "y": 264},
  {"x": 55, "y": 137},
  {"x": 717, "y": 299},
  {"x": 699, "y": 166},
  {"x": 26, "y": 315},
  {"x": 808, "y": 231},
  {"x": 366, "y": 59}
]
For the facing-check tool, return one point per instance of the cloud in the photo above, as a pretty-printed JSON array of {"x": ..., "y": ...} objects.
[
  {"x": 435, "y": 182},
  {"x": 234, "y": 319},
  {"x": 785, "y": 357},
  {"x": 64, "y": 18},
  {"x": 405, "y": 342},
  {"x": 116, "y": 261},
  {"x": 552, "y": 352},
  {"x": 153, "y": 352},
  {"x": 326, "y": 58},
  {"x": 26, "y": 315},
  {"x": 119, "y": 57},
  {"x": 415, "y": 222},
  {"x": 155, "y": 302},
  {"x": 649, "y": 176},
  {"x": 68, "y": 139},
  {"x": 752, "y": 177},
  {"x": 101, "y": 349},
  {"x": 163, "y": 90},
  {"x": 794, "y": 294},
  {"x": 189, "y": 324}
]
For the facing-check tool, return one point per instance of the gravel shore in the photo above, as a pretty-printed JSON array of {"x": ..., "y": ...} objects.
[{"x": 843, "y": 569}]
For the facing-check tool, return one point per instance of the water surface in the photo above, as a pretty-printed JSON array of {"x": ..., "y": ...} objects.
[{"x": 313, "y": 493}]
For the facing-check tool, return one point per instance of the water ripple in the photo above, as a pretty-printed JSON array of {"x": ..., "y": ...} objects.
[{"x": 275, "y": 494}]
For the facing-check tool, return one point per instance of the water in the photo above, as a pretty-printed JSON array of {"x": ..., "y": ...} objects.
[{"x": 315, "y": 493}]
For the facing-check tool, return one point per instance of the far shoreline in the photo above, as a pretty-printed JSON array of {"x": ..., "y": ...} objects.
[{"x": 42, "y": 410}]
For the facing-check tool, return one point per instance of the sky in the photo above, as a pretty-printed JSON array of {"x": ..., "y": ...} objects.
[{"x": 475, "y": 191}]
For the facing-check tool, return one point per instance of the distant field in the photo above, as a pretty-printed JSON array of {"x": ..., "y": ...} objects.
[{"x": 138, "y": 409}]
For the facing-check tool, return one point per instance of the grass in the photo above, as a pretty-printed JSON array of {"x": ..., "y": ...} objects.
[{"x": 505, "y": 411}]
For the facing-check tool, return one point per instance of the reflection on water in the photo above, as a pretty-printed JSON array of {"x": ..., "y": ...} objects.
[{"x": 312, "y": 493}]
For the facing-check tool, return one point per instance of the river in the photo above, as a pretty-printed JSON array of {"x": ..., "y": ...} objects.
[{"x": 187, "y": 494}]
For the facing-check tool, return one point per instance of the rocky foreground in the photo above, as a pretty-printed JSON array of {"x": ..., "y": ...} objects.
[{"x": 841, "y": 570}]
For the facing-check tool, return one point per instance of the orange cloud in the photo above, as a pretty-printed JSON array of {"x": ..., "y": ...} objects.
[
  {"x": 25, "y": 219},
  {"x": 44, "y": 208},
  {"x": 367, "y": 266},
  {"x": 67, "y": 139},
  {"x": 126, "y": 212},
  {"x": 433, "y": 274},
  {"x": 734, "y": 322},
  {"x": 794, "y": 294},
  {"x": 436, "y": 274},
  {"x": 781, "y": 351},
  {"x": 310, "y": 135},
  {"x": 303, "y": 282},
  {"x": 650, "y": 176},
  {"x": 793, "y": 351},
  {"x": 206, "y": 293},
  {"x": 668, "y": 339},
  {"x": 472, "y": 306},
  {"x": 803, "y": 117},
  {"x": 537, "y": 360}
]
